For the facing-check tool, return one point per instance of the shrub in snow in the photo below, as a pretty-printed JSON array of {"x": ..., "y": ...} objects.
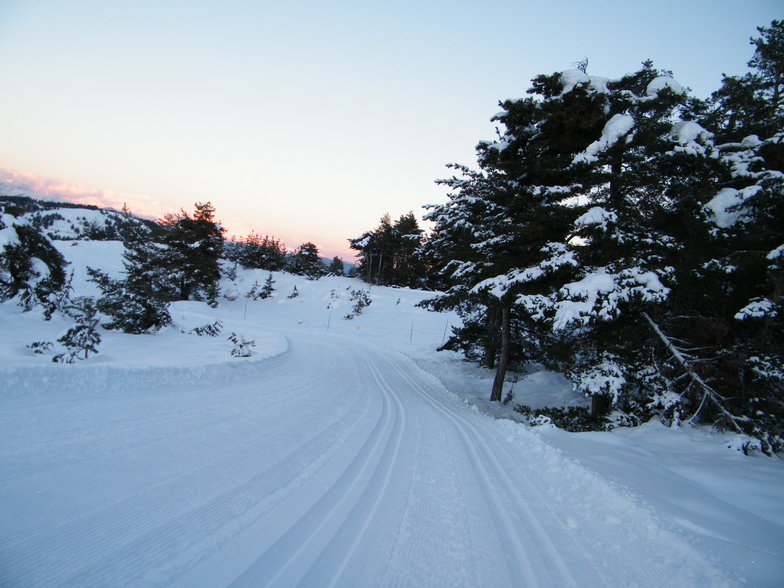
[
  {"x": 210, "y": 329},
  {"x": 83, "y": 338},
  {"x": 294, "y": 293},
  {"x": 40, "y": 347},
  {"x": 130, "y": 311},
  {"x": 242, "y": 347},
  {"x": 267, "y": 289},
  {"x": 570, "y": 418},
  {"x": 361, "y": 300}
]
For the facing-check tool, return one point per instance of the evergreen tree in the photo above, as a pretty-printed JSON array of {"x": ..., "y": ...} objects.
[
  {"x": 336, "y": 267},
  {"x": 255, "y": 251},
  {"x": 138, "y": 303},
  {"x": 306, "y": 262},
  {"x": 83, "y": 338},
  {"x": 194, "y": 245},
  {"x": 268, "y": 288},
  {"x": 752, "y": 104},
  {"x": 387, "y": 255},
  {"x": 30, "y": 267}
]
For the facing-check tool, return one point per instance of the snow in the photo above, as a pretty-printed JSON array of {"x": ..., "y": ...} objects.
[
  {"x": 692, "y": 138},
  {"x": 345, "y": 452},
  {"x": 662, "y": 83},
  {"x": 597, "y": 295},
  {"x": 8, "y": 237},
  {"x": 618, "y": 126},
  {"x": 726, "y": 208},
  {"x": 758, "y": 308},
  {"x": 571, "y": 78},
  {"x": 596, "y": 216}
]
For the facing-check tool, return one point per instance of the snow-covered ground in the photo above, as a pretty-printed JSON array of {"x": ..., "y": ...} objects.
[{"x": 347, "y": 453}]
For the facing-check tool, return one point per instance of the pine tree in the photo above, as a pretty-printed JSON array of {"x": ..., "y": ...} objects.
[
  {"x": 30, "y": 267},
  {"x": 83, "y": 338},
  {"x": 306, "y": 262},
  {"x": 194, "y": 245},
  {"x": 387, "y": 255},
  {"x": 268, "y": 288},
  {"x": 336, "y": 267}
]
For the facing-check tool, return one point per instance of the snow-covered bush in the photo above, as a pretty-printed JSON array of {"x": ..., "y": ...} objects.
[
  {"x": 210, "y": 329},
  {"x": 242, "y": 347},
  {"x": 361, "y": 300},
  {"x": 83, "y": 338},
  {"x": 31, "y": 269}
]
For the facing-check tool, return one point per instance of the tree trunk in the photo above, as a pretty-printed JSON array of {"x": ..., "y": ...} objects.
[
  {"x": 503, "y": 361},
  {"x": 491, "y": 337},
  {"x": 600, "y": 405}
]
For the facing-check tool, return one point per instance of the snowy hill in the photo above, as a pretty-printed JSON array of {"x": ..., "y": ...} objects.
[
  {"x": 345, "y": 451},
  {"x": 68, "y": 221}
]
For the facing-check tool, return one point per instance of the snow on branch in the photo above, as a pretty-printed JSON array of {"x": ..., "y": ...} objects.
[{"x": 617, "y": 127}]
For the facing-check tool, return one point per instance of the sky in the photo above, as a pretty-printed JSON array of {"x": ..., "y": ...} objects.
[{"x": 309, "y": 120}]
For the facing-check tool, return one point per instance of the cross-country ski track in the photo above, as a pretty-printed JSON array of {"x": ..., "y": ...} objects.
[{"x": 335, "y": 463}]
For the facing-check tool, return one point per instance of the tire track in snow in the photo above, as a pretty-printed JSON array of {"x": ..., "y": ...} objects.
[{"x": 351, "y": 499}]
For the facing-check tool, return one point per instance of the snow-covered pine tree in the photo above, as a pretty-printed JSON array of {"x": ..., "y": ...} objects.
[
  {"x": 194, "y": 245},
  {"x": 82, "y": 338},
  {"x": 387, "y": 255},
  {"x": 306, "y": 262},
  {"x": 138, "y": 303},
  {"x": 514, "y": 219},
  {"x": 31, "y": 269},
  {"x": 621, "y": 242},
  {"x": 268, "y": 288}
]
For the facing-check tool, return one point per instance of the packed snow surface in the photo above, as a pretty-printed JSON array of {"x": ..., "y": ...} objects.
[{"x": 345, "y": 453}]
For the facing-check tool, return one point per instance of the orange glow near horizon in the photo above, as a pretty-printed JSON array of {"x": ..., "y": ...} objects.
[{"x": 148, "y": 207}]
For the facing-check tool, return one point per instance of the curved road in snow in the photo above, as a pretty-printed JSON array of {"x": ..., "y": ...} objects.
[{"x": 334, "y": 464}]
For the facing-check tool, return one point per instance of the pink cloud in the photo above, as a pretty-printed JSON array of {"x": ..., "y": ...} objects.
[{"x": 56, "y": 189}]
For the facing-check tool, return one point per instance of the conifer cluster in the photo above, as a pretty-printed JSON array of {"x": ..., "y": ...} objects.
[{"x": 630, "y": 236}]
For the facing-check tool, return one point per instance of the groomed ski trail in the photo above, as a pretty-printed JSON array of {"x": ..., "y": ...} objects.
[{"x": 336, "y": 463}]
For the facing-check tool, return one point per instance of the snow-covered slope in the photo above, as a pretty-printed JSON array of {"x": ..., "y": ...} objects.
[
  {"x": 345, "y": 452},
  {"x": 67, "y": 221}
]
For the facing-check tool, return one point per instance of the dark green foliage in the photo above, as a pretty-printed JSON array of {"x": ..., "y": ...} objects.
[
  {"x": 294, "y": 293},
  {"x": 255, "y": 251},
  {"x": 387, "y": 255},
  {"x": 83, "y": 338},
  {"x": 306, "y": 262},
  {"x": 40, "y": 347},
  {"x": 630, "y": 237},
  {"x": 210, "y": 329},
  {"x": 31, "y": 269},
  {"x": 361, "y": 300},
  {"x": 129, "y": 311},
  {"x": 576, "y": 419},
  {"x": 193, "y": 247},
  {"x": 335, "y": 268},
  {"x": 268, "y": 288}
]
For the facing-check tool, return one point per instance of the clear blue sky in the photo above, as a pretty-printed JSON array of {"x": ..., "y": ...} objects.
[{"x": 309, "y": 120}]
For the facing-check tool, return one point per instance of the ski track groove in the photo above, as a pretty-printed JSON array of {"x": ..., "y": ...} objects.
[
  {"x": 85, "y": 535},
  {"x": 388, "y": 459},
  {"x": 313, "y": 533},
  {"x": 525, "y": 574}
]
